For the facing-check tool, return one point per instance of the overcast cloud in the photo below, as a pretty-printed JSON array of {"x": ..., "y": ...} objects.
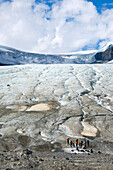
[{"x": 70, "y": 25}]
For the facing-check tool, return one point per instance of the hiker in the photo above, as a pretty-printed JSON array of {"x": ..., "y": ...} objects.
[
  {"x": 71, "y": 143},
  {"x": 85, "y": 144},
  {"x": 88, "y": 143},
  {"x": 76, "y": 142},
  {"x": 68, "y": 141},
  {"x": 81, "y": 144}
]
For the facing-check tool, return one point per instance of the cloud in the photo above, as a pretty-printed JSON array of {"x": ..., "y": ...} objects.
[
  {"x": 62, "y": 27},
  {"x": 106, "y": 4}
]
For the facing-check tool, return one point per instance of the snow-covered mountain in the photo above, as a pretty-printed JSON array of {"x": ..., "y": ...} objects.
[{"x": 11, "y": 56}]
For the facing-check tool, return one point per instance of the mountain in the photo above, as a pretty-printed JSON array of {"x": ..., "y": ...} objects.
[
  {"x": 11, "y": 56},
  {"x": 106, "y": 55}
]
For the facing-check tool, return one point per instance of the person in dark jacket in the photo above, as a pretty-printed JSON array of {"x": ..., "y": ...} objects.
[
  {"x": 71, "y": 143},
  {"x": 81, "y": 144},
  {"x": 85, "y": 144},
  {"x": 88, "y": 143}
]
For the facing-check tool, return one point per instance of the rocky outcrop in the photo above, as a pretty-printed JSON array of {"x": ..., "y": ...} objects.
[{"x": 105, "y": 56}]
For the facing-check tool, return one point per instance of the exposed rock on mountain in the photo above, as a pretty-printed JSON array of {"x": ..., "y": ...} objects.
[{"x": 107, "y": 55}]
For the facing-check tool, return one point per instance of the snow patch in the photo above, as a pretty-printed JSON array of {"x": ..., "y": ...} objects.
[
  {"x": 39, "y": 107},
  {"x": 88, "y": 130}
]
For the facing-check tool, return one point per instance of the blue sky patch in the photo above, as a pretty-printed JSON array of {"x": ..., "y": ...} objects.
[{"x": 70, "y": 19}]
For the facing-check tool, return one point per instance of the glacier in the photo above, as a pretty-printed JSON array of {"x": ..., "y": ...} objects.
[
  {"x": 57, "y": 101},
  {"x": 47, "y": 98}
]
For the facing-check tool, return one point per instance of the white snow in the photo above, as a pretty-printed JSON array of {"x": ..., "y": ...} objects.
[
  {"x": 110, "y": 62},
  {"x": 63, "y": 103},
  {"x": 78, "y": 52},
  {"x": 4, "y": 49},
  {"x": 73, "y": 150},
  {"x": 106, "y": 46}
]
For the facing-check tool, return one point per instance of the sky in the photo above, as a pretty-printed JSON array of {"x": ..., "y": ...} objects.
[{"x": 56, "y": 26}]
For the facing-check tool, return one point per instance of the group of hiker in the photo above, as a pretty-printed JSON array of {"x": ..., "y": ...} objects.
[{"x": 78, "y": 144}]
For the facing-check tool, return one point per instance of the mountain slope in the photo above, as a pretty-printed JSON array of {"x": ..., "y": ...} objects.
[
  {"x": 11, "y": 56},
  {"x": 107, "y": 55}
]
